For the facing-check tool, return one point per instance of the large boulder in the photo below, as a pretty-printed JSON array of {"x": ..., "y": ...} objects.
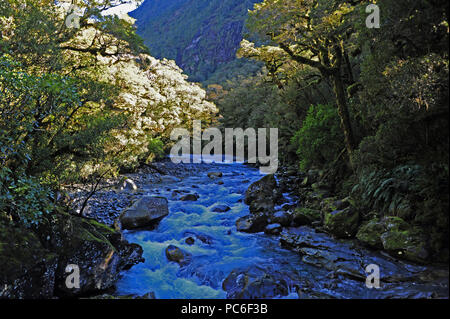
[
  {"x": 175, "y": 254},
  {"x": 252, "y": 223},
  {"x": 256, "y": 283},
  {"x": 339, "y": 217},
  {"x": 395, "y": 236},
  {"x": 27, "y": 268},
  {"x": 409, "y": 244},
  {"x": 342, "y": 223},
  {"x": 99, "y": 252},
  {"x": 370, "y": 233},
  {"x": 34, "y": 263},
  {"x": 281, "y": 217},
  {"x": 263, "y": 195},
  {"x": 145, "y": 212}
]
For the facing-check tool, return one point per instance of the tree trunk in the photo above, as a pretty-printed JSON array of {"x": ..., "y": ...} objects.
[{"x": 346, "y": 126}]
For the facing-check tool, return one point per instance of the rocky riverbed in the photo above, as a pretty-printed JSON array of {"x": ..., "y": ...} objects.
[
  {"x": 217, "y": 231},
  {"x": 230, "y": 232}
]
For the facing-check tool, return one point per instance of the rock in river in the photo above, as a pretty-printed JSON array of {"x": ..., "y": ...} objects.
[
  {"x": 145, "y": 212},
  {"x": 263, "y": 195},
  {"x": 189, "y": 198},
  {"x": 273, "y": 229},
  {"x": 252, "y": 223},
  {"x": 221, "y": 208},
  {"x": 214, "y": 175},
  {"x": 396, "y": 236},
  {"x": 256, "y": 282},
  {"x": 342, "y": 223},
  {"x": 281, "y": 217},
  {"x": 175, "y": 254},
  {"x": 305, "y": 216}
]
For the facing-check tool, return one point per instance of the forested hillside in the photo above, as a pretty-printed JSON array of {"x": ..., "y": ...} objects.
[
  {"x": 202, "y": 36},
  {"x": 365, "y": 108}
]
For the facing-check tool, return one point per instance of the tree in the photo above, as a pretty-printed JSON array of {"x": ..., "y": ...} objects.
[
  {"x": 117, "y": 82},
  {"x": 312, "y": 33}
]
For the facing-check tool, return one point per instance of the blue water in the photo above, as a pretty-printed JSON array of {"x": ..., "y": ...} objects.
[{"x": 226, "y": 249}]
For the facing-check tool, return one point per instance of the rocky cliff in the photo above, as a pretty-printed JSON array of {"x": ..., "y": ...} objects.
[{"x": 202, "y": 36}]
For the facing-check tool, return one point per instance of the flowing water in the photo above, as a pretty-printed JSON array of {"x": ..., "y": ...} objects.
[
  {"x": 224, "y": 248},
  {"x": 219, "y": 248}
]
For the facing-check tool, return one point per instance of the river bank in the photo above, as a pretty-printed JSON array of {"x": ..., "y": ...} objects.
[
  {"x": 286, "y": 256},
  {"x": 227, "y": 232}
]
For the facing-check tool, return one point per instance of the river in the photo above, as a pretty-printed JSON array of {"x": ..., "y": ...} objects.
[{"x": 219, "y": 249}]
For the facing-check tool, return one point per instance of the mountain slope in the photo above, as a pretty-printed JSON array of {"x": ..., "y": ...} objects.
[{"x": 202, "y": 36}]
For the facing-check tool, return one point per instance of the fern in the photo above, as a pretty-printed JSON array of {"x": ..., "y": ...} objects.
[{"x": 385, "y": 190}]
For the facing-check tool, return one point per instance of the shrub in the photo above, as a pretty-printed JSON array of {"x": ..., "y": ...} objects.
[
  {"x": 415, "y": 193},
  {"x": 155, "y": 149},
  {"x": 320, "y": 139},
  {"x": 24, "y": 198}
]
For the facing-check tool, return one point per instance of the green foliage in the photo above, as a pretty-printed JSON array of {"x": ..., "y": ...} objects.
[
  {"x": 39, "y": 117},
  {"x": 256, "y": 102},
  {"x": 414, "y": 193},
  {"x": 392, "y": 82},
  {"x": 24, "y": 198},
  {"x": 403, "y": 110},
  {"x": 75, "y": 103},
  {"x": 155, "y": 149},
  {"x": 80, "y": 103},
  {"x": 319, "y": 140},
  {"x": 384, "y": 190}
]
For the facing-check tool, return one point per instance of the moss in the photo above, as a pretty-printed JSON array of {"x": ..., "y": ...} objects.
[
  {"x": 306, "y": 216},
  {"x": 100, "y": 226},
  {"x": 93, "y": 231},
  {"x": 395, "y": 240},
  {"x": 328, "y": 204},
  {"x": 395, "y": 223},
  {"x": 395, "y": 236},
  {"x": 370, "y": 233},
  {"x": 342, "y": 223},
  {"x": 405, "y": 242}
]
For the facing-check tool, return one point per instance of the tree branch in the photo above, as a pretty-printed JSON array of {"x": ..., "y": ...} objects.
[{"x": 302, "y": 60}]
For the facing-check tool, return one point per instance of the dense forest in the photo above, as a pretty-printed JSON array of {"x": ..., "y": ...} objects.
[
  {"x": 362, "y": 115},
  {"x": 365, "y": 107}
]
